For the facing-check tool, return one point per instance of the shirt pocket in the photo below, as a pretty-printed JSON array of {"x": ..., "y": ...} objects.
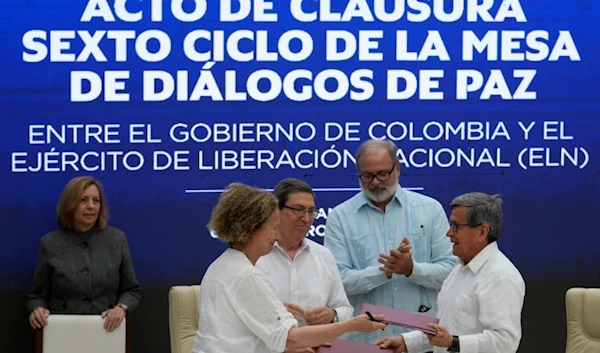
[
  {"x": 467, "y": 312},
  {"x": 418, "y": 239},
  {"x": 364, "y": 251},
  {"x": 319, "y": 292}
]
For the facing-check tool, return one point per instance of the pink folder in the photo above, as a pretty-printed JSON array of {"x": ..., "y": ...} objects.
[
  {"x": 341, "y": 346},
  {"x": 416, "y": 321}
]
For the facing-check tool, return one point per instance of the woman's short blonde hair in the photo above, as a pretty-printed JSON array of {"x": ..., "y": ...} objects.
[
  {"x": 71, "y": 198},
  {"x": 240, "y": 212}
]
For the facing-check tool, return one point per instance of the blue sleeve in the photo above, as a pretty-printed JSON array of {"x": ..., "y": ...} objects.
[{"x": 355, "y": 281}]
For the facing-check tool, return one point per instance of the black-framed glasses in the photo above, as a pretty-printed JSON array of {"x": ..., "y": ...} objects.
[
  {"x": 456, "y": 226},
  {"x": 299, "y": 211},
  {"x": 381, "y": 176}
]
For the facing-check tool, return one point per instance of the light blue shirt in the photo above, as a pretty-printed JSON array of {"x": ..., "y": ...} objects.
[{"x": 357, "y": 232}]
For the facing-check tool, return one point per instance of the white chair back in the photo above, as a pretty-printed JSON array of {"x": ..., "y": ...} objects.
[{"x": 82, "y": 334}]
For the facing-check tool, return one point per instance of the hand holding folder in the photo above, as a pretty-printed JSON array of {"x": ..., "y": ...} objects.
[{"x": 402, "y": 318}]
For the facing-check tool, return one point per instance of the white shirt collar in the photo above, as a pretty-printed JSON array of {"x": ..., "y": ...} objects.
[
  {"x": 481, "y": 258},
  {"x": 303, "y": 246}
]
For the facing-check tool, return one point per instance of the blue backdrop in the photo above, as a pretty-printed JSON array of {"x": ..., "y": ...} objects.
[{"x": 518, "y": 115}]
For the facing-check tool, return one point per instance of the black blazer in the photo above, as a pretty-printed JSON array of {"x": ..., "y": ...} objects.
[{"x": 84, "y": 273}]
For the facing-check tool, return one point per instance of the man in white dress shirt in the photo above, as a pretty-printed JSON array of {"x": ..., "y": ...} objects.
[
  {"x": 480, "y": 302},
  {"x": 303, "y": 272}
]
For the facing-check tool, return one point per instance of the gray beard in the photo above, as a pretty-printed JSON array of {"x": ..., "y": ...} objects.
[{"x": 383, "y": 194}]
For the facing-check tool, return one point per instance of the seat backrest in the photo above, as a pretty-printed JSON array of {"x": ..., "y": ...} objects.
[
  {"x": 183, "y": 317},
  {"x": 82, "y": 333},
  {"x": 583, "y": 320}
]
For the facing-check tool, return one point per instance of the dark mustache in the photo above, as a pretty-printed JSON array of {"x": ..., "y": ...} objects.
[{"x": 377, "y": 187}]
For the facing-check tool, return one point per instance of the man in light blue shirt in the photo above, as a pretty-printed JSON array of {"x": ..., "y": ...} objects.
[{"x": 389, "y": 243}]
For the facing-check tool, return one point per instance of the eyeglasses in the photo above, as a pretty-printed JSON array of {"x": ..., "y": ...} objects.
[
  {"x": 381, "y": 176},
  {"x": 299, "y": 212},
  {"x": 456, "y": 226}
]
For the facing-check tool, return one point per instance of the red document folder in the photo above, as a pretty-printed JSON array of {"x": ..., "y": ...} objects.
[
  {"x": 416, "y": 321},
  {"x": 341, "y": 346}
]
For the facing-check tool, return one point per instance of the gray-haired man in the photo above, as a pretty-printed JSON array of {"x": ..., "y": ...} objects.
[
  {"x": 481, "y": 300},
  {"x": 302, "y": 271}
]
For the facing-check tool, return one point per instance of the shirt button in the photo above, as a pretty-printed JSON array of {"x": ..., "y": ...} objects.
[
  {"x": 87, "y": 300},
  {"x": 85, "y": 271}
]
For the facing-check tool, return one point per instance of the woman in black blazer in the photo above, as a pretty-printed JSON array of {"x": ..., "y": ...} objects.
[{"x": 85, "y": 266}]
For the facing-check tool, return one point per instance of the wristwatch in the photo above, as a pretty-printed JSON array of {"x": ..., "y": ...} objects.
[
  {"x": 335, "y": 317},
  {"x": 455, "y": 347}
]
